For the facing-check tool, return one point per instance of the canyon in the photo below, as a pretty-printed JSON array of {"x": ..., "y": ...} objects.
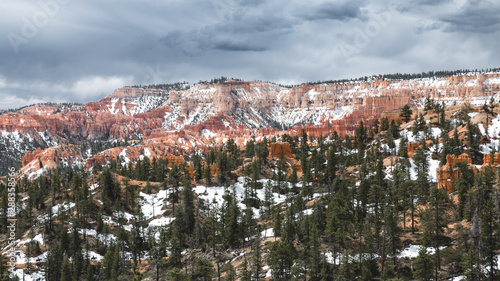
[{"x": 205, "y": 115}]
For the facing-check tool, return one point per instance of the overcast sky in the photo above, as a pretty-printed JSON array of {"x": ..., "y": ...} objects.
[{"x": 79, "y": 51}]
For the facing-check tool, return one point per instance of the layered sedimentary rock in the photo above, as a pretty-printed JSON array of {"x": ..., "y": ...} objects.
[
  {"x": 281, "y": 149},
  {"x": 30, "y": 155},
  {"x": 412, "y": 146},
  {"x": 320, "y": 109},
  {"x": 493, "y": 160},
  {"x": 208, "y": 114},
  {"x": 38, "y": 161},
  {"x": 447, "y": 174}
]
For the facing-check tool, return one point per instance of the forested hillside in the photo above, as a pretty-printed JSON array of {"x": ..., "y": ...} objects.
[{"x": 413, "y": 196}]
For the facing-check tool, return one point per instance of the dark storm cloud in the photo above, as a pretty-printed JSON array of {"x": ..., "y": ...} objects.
[
  {"x": 334, "y": 11},
  {"x": 474, "y": 16},
  {"x": 254, "y": 27},
  {"x": 82, "y": 50},
  {"x": 430, "y": 2}
]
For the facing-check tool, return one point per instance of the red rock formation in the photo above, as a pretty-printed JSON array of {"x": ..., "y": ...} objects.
[
  {"x": 101, "y": 159},
  {"x": 123, "y": 114},
  {"x": 29, "y": 156},
  {"x": 234, "y": 109},
  {"x": 391, "y": 161},
  {"x": 177, "y": 160},
  {"x": 50, "y": 158},
  {"x": 412, "y": 146},
  {"x": 447, "y": 174},
  {"x": 487, "y": 159},
  {"x": 281, "y": 149}
]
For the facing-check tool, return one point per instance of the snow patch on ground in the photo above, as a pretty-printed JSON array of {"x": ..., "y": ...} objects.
[
  {"x": 208, "y": 134},
  {"x": 209, "y": 194},
  {"x": 412, "y": 251},
  {"x": 152, "y": 204},
  {"x": 164, "y": 221}
]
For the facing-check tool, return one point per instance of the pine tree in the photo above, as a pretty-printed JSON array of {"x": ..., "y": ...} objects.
[
  {"x": 277, "y": 221},
  {"x": 406, "y": 113},
  {"x": 78, "y": 264},
  {"x": 304, "y": 147},
  {"x": 424, "y": 265},
  {"x": 463, "y": 185},
  {"x": 489, "y": 215},
  {"x": 230, "y": 217},
  {"x": 314, "y": 252},
  {"x": 207, "y": 174},
  {"x": 188, "y": 203},
  {"x": 376, "y": 124},
  {"x": 434, "y": 220},
  {"x": 246, "y": 275},
  {"x": 66, "y": 274},
  {"x": 393, "y": 233},
  {"x": 257, "y": 258},
  {"x": 176, "y": 274},
  {"x": 54, "y": 263},
  {"x": 230, "y": 273},
  {"x": 281, "y": 259},
  {"x": 384, "y": 126},
  {"x": 250, "y": 148},
  {"x": 175, "y": 246},
  {"x": 203, "y": 268},
  {"x": 422, "y": 169}
]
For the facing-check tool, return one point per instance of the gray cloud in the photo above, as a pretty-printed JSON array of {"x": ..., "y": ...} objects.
[
  {"x": 334, "y": 11},
  {"x": 86, "y": 49},
  {"x": 474, "y": 16}
]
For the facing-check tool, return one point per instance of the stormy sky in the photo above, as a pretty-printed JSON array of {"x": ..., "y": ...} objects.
[{"x": 79, "y": 51}]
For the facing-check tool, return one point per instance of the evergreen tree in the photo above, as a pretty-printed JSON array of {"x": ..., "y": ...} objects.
[
  {"x": 230, "y": 273},
  {"x": 54, "y": 263},
  {"x": 422, "y": 170},
  {"x": 406, "y": 113},
  {"x": 424, "y": 265},
  {"x": 384, "y": 126},
  {"x": 393, "y": 233},
  {"x": 257, "y": 258},
  {"x": 246, "y": 275},
  {"x": 66, "y": 274},
  {"x": 434, "y": 220},
  {"x": 262, "y": 151},
  {"x": 375, "y": 126},
  {"x": 188, "y": 203},
  {"x": 304, "y": 146},
  {"x": 277, "y": 221},
  {"x": 281, "y": 259},
  {"x": 489, "y": 215},
  {"x": 250, "y": 148},
  {"x": 230, "y": 217},
  {"x": 463, "y": 186},
  {"x": 203, "y": 268}
]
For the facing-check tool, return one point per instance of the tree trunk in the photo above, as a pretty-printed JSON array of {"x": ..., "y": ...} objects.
[{"x": 383, "y": 255}]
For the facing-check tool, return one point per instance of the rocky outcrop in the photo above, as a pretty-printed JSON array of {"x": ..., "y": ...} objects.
[
  {"x": 447, "y": 174},
  {"x": 241, "y": 106},
  {"x": 30, "y": 156},
  {"x": 281, "y": 149},
  {"x": 493, "y": 160},
  {"x": 412, "y": 146},
  {"x": 207, "y": 114},
  {"x": 39, "y": 161}
]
